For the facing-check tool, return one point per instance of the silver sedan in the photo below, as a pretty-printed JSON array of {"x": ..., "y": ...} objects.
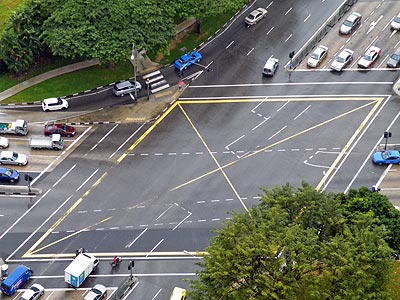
[
  {"x": 255, "y": 16},
  {"x": 317, "y": 56}
]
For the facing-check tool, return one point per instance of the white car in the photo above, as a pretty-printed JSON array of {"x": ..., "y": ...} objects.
[
  {"x": 342, "y": 60},
  {"x": 317, "y": 56},
  {"x": 13, "y": 158},
  {"x": 33, "y": 293},
  {"x": 396, "y": 23},
  {"x": 270, "y": 66},
  {"x": 352, "y": 21},
  {"x": 96, "y": 293},
  {"x": 370, "y": 56},
  {"x": 54, "y": 104},
  {"x": 255, "y": 16},
  {"x": 3, "y": 142}
]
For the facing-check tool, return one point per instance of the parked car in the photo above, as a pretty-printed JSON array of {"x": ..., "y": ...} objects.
[
  {"x": 3, "y": 142},
  {"x": 13, "y": 158},
  {"x": 370, "y": 56},
  {"x": 386, "y": 157},
  {"x": 317, "y": 56},
  {"x": 9, "y": 175},
  {"x": 255, "y": 16},
  {"x": 342, "y": 60},
  {"x": 126, "y": 87},
  {"x": 394, "y": 59},
  {"x": 96, "y": 293},
  {"x": 33, "y": 293},
  {"x": 396, "y": 22},
  {"x": 187, "y": 60},
  {"x": 351, "y": 23},
  {"x": 270, "y": 66},
  {"x": 51, "y": 104},
  {"x": 62, "y": 129}
]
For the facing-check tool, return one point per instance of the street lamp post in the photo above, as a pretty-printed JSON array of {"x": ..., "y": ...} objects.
[{"x": 134, "y": 58}]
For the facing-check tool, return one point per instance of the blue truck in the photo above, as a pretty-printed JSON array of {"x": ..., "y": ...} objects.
[{"x": 15, "y": 280}]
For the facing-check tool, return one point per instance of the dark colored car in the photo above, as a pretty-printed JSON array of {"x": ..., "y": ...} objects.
[
  {"x": 9, "y": 175},
  {"x": 62, "y": 129},
  {"x": 394, "y": 59}
]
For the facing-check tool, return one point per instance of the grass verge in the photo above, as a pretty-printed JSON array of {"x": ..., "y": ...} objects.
[
  {"x": 6, "y": 7},
  {"x": 73, "y": 82}
]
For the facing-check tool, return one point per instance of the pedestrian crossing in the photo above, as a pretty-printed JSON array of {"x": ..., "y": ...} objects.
[{"x": 156, "y": 81}]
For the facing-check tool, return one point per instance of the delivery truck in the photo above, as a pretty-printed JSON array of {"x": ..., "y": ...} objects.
[
  {"x": 16, "y": 280},
  {"x": 79, "y": 269},
  {"x": 18, "y": 127},
  {"x": 54, "y": 141}
]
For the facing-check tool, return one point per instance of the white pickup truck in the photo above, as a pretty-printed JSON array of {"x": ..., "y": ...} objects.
[
  {"x": 55, "y": 142},
  {"x": 18, "y": 127}
]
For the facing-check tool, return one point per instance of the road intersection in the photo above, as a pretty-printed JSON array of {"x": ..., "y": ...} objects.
[{"x": 155, "y": 192}]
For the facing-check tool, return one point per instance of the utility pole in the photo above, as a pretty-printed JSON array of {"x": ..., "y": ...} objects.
[{"x": 134, "y": 59}]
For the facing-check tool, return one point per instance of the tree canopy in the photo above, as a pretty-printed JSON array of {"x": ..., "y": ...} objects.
[
  {"x": 107, "y": 29},
  {"x": 301, "y": 244},
  {"x": 97, "y": 29}
]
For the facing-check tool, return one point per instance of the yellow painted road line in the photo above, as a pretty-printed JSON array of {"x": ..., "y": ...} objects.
[
  {"x": 213, "y": 157},
  {"x": 33, "y": 249},
  {"x": 349, "y": 143},
  {"x": 71, "y": 235},
  {"x": 267, "y": 99},
  {"x": 274, "y": 144},
  {"x": 58, "y": 222},
  {"x": 141, "y": 138}
]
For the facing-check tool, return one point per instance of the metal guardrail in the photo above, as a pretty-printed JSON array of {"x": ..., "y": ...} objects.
[
  {"x": 320, "y": 33},
  {"x": 123, "y": 288}
]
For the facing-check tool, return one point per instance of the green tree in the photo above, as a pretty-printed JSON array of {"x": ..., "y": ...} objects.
[
  {"x": 296, "y": 244},
  {"x": 205, "y": 8},
  {"x": 20, "y": 43},
  {"x": 366, "y": 202},
  {"x": 107, "y": 29}
]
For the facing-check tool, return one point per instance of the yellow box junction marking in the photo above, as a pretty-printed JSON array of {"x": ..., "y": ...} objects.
[{"x": 32, "y": 252}]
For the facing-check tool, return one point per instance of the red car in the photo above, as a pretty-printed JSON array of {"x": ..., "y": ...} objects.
[
  {"x": 369, "y": 57},
  {"x": 62, "y": 129}
]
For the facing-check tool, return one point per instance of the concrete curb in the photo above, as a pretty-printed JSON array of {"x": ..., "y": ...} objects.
[{"x": 19, "y": 190}]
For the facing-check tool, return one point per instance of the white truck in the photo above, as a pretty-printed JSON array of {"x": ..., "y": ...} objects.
[
  {"x": 54, "y": 141},
  {"x": 18, "y": 127},
  {"x": 80, "y": 268}
]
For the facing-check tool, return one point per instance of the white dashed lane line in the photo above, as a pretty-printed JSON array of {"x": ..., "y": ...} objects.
[
  {"x": 146, "y": 225},
  {"x": 237, "y": 151}
]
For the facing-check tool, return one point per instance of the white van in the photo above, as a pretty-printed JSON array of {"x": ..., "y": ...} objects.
[{"x": 178, "y": 294}]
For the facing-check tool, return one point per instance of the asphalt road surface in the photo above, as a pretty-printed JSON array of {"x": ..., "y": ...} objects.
[{"x": 153, "y": 193}]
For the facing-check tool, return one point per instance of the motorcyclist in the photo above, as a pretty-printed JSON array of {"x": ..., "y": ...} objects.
[
  {"x": 80, "y": 251},
  {"x": 116, "y": 260}
]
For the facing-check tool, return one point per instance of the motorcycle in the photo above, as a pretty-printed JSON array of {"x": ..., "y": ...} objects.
[
  {"x": 80, "y": 251},
  {"x": 115, "y": 263}
]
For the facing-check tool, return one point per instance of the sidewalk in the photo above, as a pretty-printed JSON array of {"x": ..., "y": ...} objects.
[{"x": 50, "y": 74}]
